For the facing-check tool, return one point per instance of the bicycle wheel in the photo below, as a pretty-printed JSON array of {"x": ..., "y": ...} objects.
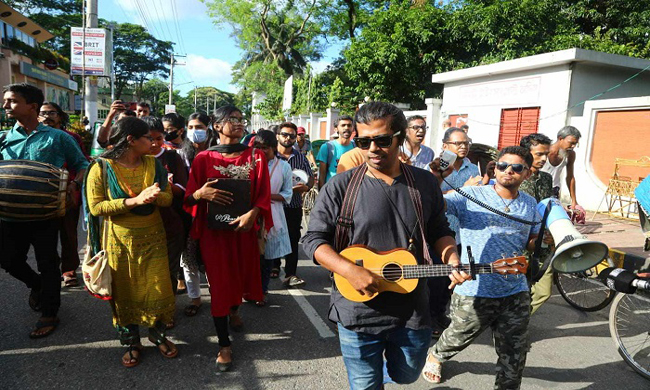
[
  {"x": 629, "y": 325},
  {"x": 583, "y": 290}
]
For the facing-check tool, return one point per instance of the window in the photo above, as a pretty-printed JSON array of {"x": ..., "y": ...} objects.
[
  {"x": 10, "y": 31},
  {"x": 517, "y": 123}
]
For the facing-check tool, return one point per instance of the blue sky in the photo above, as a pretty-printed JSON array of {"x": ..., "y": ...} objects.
[{"x": 210, "y": 50}]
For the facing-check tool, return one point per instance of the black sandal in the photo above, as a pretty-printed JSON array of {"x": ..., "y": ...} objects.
[
  {"x": 130, "y": 350},
  {"x": 163, "y": 340},
  {"x": 191, "y": 310},
  {"x": 40, "y": 324}
]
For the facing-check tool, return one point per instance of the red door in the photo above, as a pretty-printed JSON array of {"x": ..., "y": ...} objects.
[{"x": 517, "y": 123}]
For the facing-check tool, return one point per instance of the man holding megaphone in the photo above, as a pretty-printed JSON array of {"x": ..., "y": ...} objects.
[{"x": 491, "y": 300}]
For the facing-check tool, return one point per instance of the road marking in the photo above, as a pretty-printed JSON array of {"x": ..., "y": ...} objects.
[
  {"x": 582, "y": 325},
  {"x": 323, "y": 330}
]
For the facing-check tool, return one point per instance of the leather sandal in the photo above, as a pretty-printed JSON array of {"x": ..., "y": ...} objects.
[
  {"x": 130, "y": 349},
  {"x": 224, "y": 366},
  {"x": 170, "y": 347}
]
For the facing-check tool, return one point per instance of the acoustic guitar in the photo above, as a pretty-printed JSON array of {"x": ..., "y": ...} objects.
[{"x": 399, "y": 271}]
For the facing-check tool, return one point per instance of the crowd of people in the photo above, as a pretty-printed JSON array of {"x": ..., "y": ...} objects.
[{"x": 146, "y": 201}]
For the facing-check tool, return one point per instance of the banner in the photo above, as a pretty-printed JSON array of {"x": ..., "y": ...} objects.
[{"x": 95, "y": 51}]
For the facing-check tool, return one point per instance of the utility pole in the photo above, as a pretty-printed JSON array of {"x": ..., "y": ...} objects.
[
  {"x": 195, "y": 98},
  {"x": 207, "y": 106},
  {"x": 109, "y": 59},
  {"x": 90, "y": 90},
  {"x": 171, "y": 75},
  {"x": 215, "y": 104},
  {"x": 171, "y": 79}
]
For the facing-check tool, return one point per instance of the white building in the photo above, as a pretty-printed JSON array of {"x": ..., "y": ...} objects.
[{"x": 606, "y": 96}]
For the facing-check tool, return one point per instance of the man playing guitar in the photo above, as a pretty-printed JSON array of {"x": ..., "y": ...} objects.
[{"x": 397, "y": 206}]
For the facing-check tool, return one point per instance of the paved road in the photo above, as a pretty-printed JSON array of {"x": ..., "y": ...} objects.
[{"x": 286, "y": 345}]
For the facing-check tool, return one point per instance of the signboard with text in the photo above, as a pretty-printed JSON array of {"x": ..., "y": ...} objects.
[{"x": 94, "y": 53}]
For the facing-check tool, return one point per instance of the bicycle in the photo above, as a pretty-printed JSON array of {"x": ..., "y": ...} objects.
[
  {"x": 583, "y": 290},
  {"x": 629, "y": 319}
]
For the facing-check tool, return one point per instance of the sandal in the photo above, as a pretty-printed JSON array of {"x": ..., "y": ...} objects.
[
  {"x": 236, "y": 323},
  {"x": 133, "y": 360},
  {"x": 35, "y": 300},
  {"x": 41, "y": 324},
  {"x": 293, "y": 281},
  {"x": 191, "y": 310},
  {"x": 432, "y": 371},
  {"x": 224, "y": 366},
  {"x": 261, "y": 303},
  {"x": 170, "y": 351},
  {"x": 275, "y": 273},
  {"x": 70, "y": 279}
]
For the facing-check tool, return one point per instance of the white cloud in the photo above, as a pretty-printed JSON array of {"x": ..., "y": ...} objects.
[{"x": 208, "y": 71}]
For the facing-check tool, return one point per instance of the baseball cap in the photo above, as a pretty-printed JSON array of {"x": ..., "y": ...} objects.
[{"x": 301, "y": 130}]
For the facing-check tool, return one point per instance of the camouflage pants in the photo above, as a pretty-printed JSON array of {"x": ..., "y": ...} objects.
[{"x": 508, "y": 317}]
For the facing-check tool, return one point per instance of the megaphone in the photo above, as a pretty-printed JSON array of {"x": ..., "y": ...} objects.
[{"x": 573, "y": 252}]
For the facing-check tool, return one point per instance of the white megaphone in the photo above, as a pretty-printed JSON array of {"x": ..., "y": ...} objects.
[{"x": 573, "y": 252}]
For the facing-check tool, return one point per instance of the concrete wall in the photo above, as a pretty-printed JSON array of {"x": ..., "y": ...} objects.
[
  {"x": 590, "y": 190},
  {"x": 589, "y": 80},
  {"x": 483, "y": 98}
]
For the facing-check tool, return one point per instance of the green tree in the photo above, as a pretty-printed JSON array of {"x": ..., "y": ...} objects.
[{"x": 138, "y": 56}]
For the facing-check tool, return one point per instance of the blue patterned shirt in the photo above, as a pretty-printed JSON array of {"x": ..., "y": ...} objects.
[
  {"x": 422, "y": 159},
  {"x": 44, "y": 144},
  {"x": 491, "y": 235},
  {"x": 457, "y": 179}
]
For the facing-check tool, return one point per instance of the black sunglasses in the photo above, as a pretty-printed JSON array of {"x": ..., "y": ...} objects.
[
  {"x": 382, "y": 141},
  {"x": 288, "y": 135},
  {"x": 516, "y": 168}
]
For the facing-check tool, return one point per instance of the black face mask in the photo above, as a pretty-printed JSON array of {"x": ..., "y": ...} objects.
[{"x": 171, "y": 136}]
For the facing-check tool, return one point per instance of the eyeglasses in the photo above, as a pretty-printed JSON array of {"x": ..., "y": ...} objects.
[
  {"x": 382, "y": 141},
  {"x": 416, "y": 128},
  {"x": 237, "y": 121},
  {"x": 516, "y": 168},
  {"x": 458, "y": 144},
  {"x": 288, "y": 135},
  {"x": 48, "y": 113}
]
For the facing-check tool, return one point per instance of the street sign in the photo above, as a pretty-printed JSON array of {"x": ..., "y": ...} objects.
[
  {"x": 169, "y": 108},
  {"x": 95, "y": 51}
]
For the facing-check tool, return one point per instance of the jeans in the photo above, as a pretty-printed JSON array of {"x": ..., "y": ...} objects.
[
  {"x": 15, "y": 240},
  {"x": 363, "y": 354},
  {"x": 193, "y": 283},
  {"x": 294, "y": 222}
]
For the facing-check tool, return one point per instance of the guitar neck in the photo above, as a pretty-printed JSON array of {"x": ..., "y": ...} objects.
[{"x": 431, "y": 271}]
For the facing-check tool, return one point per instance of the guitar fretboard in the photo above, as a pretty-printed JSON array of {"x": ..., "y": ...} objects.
[{"x": 430, "y": 271}]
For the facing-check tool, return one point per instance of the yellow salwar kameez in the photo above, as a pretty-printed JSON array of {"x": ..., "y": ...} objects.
[{"x": 136, "y": 247}]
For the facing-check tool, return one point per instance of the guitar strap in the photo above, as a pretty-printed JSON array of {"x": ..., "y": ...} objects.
[{"x": 344, "y": 222}]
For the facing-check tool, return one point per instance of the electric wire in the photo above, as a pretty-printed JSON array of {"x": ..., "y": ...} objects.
[{"x": 573, "y": 106}]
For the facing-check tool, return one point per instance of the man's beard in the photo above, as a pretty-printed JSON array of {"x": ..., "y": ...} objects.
[{"x": 288, "y": 144}]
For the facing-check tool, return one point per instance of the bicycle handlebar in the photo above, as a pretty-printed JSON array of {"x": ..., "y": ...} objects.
[{"x": 622, "y": 280}]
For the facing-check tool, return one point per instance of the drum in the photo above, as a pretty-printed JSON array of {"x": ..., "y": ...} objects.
[{"x": 31, "y": 190}]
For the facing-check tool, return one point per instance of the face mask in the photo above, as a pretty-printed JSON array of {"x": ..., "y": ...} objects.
[
  {"x": 171, "y": 136},
  {"x": 197, "y": 136}
]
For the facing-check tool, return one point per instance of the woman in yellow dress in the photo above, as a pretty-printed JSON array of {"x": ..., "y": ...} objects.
[{"x": 136, "y": 243}]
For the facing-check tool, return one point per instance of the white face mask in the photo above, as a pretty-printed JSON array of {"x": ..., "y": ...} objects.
[{"x": 197, "y": 136}]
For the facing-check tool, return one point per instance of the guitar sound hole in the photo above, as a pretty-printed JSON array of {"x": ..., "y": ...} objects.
[{"x": 392, "y": 272}]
